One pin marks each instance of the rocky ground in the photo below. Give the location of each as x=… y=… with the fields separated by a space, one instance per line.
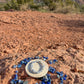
x=58 y=36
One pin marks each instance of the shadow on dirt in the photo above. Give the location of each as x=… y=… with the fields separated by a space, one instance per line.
x=74 y=25
x=3 y=66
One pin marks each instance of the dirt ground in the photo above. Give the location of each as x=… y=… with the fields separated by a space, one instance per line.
x=30 y=33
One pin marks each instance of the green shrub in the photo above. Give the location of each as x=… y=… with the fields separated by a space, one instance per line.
x=82 y=8
x=11 y=5
x=24 y=7
x=2 y=6
x=47 y=2
x=34 y=6
x=52 y=6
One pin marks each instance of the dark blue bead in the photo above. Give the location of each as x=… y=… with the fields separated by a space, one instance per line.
x=16 y=71
x=50 y=61
x=65 y=75
x=61 y=81
x=48 y=82
x=36 y=57
x=24 y=59
x=16 y=77
x=28 y=61
x=29 y=58
x=43 y=82
x=25 y=63
x=14 y=66
x=61 y=74
x=46 y=57
x=58 y=72
x=48 y=75
x=64 y=78
x=22 y=62
x=19 y=66
x=55 y=61
x=15 y=82
x=51 y=69
x=61 y=78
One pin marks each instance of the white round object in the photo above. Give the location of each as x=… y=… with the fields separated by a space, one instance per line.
x=36 y=68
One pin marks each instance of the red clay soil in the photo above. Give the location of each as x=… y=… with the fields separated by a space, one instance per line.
x=27 y=34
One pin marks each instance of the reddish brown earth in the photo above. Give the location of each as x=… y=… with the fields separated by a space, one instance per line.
x=58 y=36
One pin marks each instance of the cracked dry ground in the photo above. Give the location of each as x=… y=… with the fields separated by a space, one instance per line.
x=58 y=36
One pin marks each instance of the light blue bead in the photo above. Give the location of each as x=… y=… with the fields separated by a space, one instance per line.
x=16 y=77
x=12 y=81
x=14 y=66
x=22 y=62
x=36 y=83
x=19 y=66
x=58 y=76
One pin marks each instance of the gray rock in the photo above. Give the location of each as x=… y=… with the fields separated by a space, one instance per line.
x=25 y=82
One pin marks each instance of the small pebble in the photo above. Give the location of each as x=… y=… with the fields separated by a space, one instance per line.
x=25 y=82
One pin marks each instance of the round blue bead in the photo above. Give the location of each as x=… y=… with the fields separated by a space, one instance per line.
x=16 y=77
x=46 y=57
x=54 y=60
x=64 y=78
x=12 y=81
x=65 y=75
x=50 y=62
x=14 y=66
x=61 y=74
x=16 y=71
x=48 y=75
x=36 y=83
x=43 y=82
x=58 y=72
x=61 y=78
x=22 y=62
x=58 y=76
x=19 y=66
